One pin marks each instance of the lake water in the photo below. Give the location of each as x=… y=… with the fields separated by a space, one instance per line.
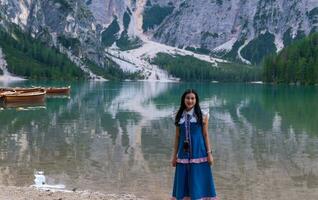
x=117 y=137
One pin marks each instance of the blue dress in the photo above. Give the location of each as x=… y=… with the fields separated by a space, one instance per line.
x=193 y=176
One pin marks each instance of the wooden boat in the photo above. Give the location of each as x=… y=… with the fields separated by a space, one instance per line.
x=16 y=97
x=58 y=90
x=4 y=90
x=22 y=90
x=31 y=89
x=3 y=93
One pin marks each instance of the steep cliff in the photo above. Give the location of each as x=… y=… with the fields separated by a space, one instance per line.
x=240 y=29
x=57 y=21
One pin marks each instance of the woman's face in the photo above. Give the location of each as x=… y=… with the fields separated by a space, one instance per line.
x=189 y=100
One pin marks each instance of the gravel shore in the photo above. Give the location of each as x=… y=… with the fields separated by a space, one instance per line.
x=30 y=193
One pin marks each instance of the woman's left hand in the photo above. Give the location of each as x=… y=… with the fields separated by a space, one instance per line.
x=210 y=159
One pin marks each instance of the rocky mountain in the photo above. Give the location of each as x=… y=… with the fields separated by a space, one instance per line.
x=129 y=33
x=66 y=25
x=235 y=29
x=240 y=29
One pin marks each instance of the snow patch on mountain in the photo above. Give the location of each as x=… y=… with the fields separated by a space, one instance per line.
x=140 y=59
x=133 y=61
x=279 y=43
x=227 y=46
x=7 y=76
x=239 y=52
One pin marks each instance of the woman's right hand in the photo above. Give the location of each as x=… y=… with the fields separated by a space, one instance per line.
x=210 y=159
x=174 y=161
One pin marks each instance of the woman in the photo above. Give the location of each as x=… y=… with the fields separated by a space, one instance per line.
x=192 y=155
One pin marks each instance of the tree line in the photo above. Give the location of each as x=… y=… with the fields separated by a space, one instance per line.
x=189 y=68
x=295 y=64
x=31 y=58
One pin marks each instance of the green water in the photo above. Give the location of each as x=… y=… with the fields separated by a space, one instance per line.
x=118 y=138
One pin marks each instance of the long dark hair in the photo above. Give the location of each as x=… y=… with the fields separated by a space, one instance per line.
x=197 y=109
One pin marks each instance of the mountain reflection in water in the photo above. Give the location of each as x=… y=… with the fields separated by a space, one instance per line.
x=118 y=137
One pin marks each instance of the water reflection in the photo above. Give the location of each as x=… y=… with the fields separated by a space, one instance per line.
x=117 y=137
x=23 y=105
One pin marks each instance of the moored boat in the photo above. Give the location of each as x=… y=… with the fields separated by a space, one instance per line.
x=5 y=92
x=16 y=97
x=31 y=89
x=58 y=90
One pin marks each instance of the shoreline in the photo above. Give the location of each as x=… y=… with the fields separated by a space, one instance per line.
x=23 y=193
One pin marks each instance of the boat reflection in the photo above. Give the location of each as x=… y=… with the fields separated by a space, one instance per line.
x=23 y=105
x=58 y=96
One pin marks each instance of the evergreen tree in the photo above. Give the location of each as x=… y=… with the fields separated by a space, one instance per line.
x=297 y=63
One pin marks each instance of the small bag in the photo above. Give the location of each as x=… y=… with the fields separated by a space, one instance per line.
x=186 y=145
